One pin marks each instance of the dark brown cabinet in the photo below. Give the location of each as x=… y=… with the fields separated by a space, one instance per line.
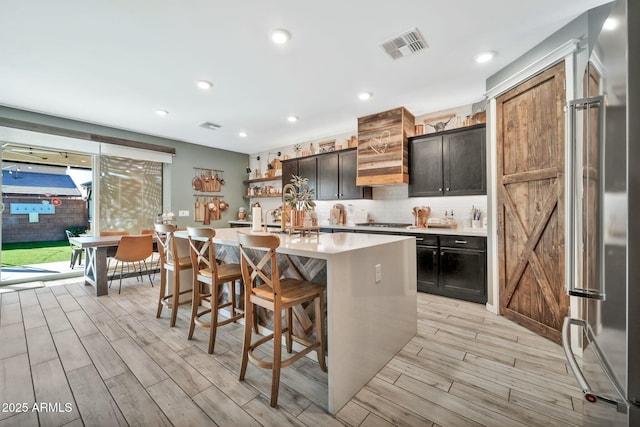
x=451 y=163
x=427 y=262
x=453 y=266
x=304 y=167
x=337 y=177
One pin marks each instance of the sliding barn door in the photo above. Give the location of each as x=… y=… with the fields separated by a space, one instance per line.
x=530 y=174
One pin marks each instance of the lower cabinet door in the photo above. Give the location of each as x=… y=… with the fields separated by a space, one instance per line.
x=462 y=274
x=427 y=264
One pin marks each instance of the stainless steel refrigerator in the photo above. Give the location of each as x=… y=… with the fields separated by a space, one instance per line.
x=602 y=196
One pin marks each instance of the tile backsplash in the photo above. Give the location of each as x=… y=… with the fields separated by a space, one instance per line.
x=393 y=204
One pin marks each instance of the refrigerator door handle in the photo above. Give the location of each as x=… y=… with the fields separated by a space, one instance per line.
x=621 y=404
x=573 y=193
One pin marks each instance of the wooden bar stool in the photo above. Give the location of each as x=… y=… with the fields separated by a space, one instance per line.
x=207 y=271
x=277 y=295
x=170 y=261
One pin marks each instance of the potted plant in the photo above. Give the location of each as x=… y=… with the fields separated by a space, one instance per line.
x=298 y=198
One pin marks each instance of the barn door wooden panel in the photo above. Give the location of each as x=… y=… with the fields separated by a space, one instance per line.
x=530 y=175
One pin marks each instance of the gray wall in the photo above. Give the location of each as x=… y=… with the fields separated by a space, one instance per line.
x=181 y=171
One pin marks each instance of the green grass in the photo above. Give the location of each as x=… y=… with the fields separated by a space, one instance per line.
x=14 y=254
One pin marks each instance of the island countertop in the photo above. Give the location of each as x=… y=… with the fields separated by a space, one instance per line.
x=322 y=245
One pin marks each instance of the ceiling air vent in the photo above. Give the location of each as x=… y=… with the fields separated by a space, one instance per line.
x=404 y=44
x=209 y=125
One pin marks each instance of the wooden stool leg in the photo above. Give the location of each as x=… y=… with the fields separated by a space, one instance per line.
x=176 y=296
x=254 y=310
x=195 y=302
x=319 y=303
x=163 y=290
x=249 y=318
x=277 y=354
x=289 y=318
x=213 y=324
x=232 y=296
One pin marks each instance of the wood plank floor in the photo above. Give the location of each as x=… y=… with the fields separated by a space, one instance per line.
x=111 y=362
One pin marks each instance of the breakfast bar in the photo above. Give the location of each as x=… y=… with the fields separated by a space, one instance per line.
x=371 y=298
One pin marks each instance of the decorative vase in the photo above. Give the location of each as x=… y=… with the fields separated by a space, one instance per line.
x=297 y=218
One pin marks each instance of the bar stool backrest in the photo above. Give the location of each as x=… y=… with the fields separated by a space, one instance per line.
x=266 y=269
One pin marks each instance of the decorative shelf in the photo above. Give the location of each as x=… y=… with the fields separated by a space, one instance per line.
x=251 y=181
x=271 y=196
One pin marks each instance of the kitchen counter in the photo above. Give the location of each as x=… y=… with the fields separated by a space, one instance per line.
x=371 y=297
x=480 y=232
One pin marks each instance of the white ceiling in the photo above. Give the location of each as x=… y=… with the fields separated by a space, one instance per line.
x=115 y=62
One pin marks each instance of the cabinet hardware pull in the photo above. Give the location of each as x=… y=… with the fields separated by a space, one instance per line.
x=462 y=242
x=439 y=189
x=447 y=189
x=420 y=240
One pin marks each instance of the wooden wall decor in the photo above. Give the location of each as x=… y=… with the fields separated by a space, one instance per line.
x=383 y=152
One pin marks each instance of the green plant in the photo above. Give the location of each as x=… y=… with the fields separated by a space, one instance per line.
x=76 y=230
x=298 y=195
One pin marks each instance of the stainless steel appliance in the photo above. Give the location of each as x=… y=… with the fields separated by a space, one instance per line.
x=602 y=199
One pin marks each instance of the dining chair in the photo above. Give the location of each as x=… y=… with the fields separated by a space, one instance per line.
x=76 y=251
x=111 y=251
x=264 y=288
x=206 y=271
x=132 y=249
x=170 y=260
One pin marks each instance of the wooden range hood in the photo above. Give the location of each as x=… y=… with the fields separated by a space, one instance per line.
x=383 y=152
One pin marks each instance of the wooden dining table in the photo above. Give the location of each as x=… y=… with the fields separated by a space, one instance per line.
x=95 y=268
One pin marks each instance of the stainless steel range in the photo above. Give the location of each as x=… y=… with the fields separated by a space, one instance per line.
x=383 y=224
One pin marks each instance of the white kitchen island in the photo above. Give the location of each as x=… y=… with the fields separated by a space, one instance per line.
x=368 y=320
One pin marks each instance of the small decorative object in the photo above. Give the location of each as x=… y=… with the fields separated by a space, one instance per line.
x=327 y=146
x=439 y=127
x=312 y=149
x=297 y=148
x=419 y=129
x=353 y=141
x=242 y=213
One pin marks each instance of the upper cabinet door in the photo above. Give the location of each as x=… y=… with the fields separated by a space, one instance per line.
x=464 y=164
x=328 y=188
x=348 y=174
x=289 y=168
x=425 y=174
x=307 y=169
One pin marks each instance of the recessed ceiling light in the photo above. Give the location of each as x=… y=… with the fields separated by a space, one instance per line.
x=292 y=119
x=483 y=57
x=204 y=84
x=242 y=134
x=280 y=36
x=610 y=24
x=162 y=112
x=365 y=96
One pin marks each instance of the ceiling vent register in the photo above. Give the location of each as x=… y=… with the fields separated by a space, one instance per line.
x=210 y=126
x=404 y=44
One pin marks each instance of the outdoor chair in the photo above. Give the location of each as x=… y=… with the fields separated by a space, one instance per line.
x=76 y=251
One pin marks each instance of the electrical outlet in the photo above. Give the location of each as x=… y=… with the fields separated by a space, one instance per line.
x=378 y=273
x=183 y=213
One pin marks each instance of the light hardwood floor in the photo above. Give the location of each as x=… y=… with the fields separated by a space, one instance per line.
x=116 y=364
